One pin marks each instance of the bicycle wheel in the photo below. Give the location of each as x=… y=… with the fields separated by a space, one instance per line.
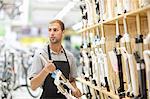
x=35 y=93
x=8 y=82
x=9 y=77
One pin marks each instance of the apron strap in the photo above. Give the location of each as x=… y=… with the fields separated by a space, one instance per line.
x=49 y=54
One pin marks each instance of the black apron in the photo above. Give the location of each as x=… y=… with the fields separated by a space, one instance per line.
x=49 y=88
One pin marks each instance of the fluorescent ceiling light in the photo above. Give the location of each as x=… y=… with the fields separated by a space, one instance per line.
x=65 y=10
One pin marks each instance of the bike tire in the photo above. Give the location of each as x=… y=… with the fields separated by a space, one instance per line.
x=37 y=92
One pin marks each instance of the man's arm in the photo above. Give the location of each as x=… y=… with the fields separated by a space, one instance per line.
x=38 y=79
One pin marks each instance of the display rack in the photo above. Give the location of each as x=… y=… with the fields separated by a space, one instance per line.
x=99 y=89
x=110 y=23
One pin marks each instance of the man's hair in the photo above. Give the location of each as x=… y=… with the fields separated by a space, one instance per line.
x=59 y=22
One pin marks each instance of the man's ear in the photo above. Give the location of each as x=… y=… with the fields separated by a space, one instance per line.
x=63 y=32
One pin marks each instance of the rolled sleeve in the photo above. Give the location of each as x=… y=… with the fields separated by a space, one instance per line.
x=36 y=66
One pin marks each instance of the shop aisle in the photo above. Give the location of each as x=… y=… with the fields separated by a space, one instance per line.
x=22 y=93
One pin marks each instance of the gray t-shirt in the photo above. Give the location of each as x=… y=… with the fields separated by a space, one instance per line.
x=38 y=63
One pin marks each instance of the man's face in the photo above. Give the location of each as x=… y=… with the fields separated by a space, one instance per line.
x=55 y=33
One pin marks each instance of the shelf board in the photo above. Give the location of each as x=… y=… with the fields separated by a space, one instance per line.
x=104 y=91
x=133 y=13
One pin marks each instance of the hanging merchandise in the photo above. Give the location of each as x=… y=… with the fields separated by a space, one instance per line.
x=90 y=54
x=143 y=3
x=147 y=38
x=124 y=6
x=88 y=43
x=90 y=18
x=107 y=10
x=90 y=68
x=140 y=61
x=119 y=60
x=83 y=54
x=94 y=62
x=121 y=90
x=146 y=54
x=110 y=9
x=94 y=13
x=127 y=5
x=119 y=7
x=98 y=19
x=128 y=58
x=101 y=51
x=97 y=10
x=104 y=64
x=85 y=88
x=88 y=72
x=101 y=10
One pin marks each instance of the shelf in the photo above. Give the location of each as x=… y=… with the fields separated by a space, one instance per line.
x=107 y=29
x=104 y=91
x=112 y=20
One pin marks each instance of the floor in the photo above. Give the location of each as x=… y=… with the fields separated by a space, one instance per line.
x=22 y=93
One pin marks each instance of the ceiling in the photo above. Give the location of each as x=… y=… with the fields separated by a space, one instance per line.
x=43 y=11
x=40 y=12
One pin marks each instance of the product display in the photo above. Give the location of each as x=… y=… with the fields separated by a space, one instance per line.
x=126 y=60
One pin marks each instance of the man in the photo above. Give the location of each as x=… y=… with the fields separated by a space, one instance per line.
x=59 y=58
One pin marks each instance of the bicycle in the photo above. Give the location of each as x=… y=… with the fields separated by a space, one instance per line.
x=11 y=60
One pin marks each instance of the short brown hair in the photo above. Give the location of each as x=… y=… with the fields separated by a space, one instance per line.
x=59 y=22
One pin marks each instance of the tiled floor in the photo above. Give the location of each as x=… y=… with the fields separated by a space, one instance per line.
x=22 y=93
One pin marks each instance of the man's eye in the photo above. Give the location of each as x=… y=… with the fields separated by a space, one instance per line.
x=49 y=29
x=55 y=30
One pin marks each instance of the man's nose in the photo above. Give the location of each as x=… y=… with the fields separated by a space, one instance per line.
x=52 y=33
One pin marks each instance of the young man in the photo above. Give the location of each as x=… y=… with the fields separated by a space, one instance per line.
x=59 y=58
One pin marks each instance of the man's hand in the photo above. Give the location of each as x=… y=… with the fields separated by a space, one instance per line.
x=77 y=93
x=49 y=67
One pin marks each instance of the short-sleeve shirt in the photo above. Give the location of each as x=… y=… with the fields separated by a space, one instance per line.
x=38 y=63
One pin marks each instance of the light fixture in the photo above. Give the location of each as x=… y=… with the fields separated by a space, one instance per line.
x=66 y=9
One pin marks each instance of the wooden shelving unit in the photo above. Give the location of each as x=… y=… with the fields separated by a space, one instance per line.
x=104 y=91
x=112 y=21
x=129 y=16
